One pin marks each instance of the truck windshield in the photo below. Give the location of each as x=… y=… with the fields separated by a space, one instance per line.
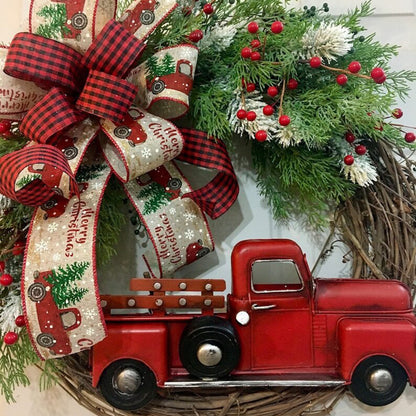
x=275 y=276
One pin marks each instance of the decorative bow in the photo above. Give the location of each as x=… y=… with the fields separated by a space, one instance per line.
x=138 y=146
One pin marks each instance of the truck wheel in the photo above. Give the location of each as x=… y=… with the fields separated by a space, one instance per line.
x=45 y=340
x=209 y=347
x=378 y=381
x=36 y=292
x=158 y=86
x=128 y=384
x=79 y=21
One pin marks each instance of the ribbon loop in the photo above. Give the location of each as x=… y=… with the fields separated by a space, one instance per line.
x=44 y=61
x=217 y=196
x=106 y=96
x=34 y=174
x=114 y=51
x=53 y=114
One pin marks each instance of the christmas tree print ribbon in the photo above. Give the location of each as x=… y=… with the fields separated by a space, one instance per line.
x=90 y=101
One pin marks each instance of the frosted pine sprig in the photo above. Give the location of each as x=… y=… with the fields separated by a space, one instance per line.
x=11 y=309
x=327 y=41
x=253 y=102
x=361 y=172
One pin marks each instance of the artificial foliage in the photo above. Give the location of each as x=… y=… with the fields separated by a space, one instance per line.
x=307 y=159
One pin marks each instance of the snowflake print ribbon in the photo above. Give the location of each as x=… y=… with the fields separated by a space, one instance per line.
x=91 y=124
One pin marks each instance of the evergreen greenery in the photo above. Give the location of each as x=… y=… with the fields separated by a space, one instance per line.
x=56 y=18
x=155 y=196
x=65 y=291
x=27 y=179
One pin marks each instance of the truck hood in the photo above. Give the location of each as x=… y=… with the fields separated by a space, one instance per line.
x=357 y=295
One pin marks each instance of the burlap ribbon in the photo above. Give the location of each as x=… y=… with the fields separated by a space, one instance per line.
x=88 y=97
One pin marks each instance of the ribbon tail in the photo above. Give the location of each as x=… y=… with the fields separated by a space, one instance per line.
x=217 y=196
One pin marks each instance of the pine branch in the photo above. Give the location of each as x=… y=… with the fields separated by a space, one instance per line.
x=56 y=18
x=26 y=180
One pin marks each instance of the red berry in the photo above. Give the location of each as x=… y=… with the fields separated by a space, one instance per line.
x=379 y=126
x=10 y=338
x=349 y=137
x=18 y=248
x=6 y=279
x=20 y=321
x=208 y=9
x=251 y=116
x=360 y=149
x=241 y=114
x=196 y=36
x=255 y=56
x=315 y=62
x=272 y=91
x=250 y=87
x=277 y=27
x=284 y=120
x=268 y=110
x=292 y=84
x=261 y=135
x=255 y=43
x=354 y=67
x=253 y=27
x=2 y=266
x=410 y=137
x=397 y=113
x=380 y=80
x=349 y=160
x=246 y=52
x=342 y=79
x=5 y=126
x=377 y=73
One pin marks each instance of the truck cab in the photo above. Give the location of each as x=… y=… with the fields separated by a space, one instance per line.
x=281 y=327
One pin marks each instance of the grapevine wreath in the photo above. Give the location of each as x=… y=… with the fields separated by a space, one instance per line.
x=311 y=95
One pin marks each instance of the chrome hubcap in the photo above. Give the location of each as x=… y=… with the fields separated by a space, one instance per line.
x=127 y=381
x=209 y=354
x=380 y=380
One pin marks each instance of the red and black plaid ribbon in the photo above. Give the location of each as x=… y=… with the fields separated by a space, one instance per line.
x=38 y=191
x=217 y=196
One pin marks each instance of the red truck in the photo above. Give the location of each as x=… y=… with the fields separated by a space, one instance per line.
x=282 y=327
x=54 y=323
x=77 y=19
x=162 y=176
x=142 y=14
x=130 y=129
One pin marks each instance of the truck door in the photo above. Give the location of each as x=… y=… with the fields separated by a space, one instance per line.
x=280 y=313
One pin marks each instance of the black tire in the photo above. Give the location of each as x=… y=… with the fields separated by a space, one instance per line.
x=70 y=152
x=147 y=17
x=215 y=340
x=45 y=340
x=46 y=206
x=36 y=292
x=378 y=381
x=174 y=183
x=138 y=388
x=158 y=86
x=122 y=132
x=203 y=252
x=79 y=21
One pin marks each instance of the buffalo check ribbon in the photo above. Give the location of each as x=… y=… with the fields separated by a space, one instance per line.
x=90 y=124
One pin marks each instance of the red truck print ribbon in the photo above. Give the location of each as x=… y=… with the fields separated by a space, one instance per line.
x=88 y=123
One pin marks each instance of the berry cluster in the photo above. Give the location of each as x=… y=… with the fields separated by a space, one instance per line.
x=359 y=149
x=6 y=280
x=377 y=74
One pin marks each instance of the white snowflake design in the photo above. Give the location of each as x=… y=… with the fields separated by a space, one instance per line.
x=172 y=211
x=41 y=247
x=146 y=152
x=90 y=332
x=52 y=227
x=90 y=314
x=189 y=234
x=189 y=216
x=56 y=257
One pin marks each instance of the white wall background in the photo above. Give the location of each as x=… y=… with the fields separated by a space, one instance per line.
x=394 y=22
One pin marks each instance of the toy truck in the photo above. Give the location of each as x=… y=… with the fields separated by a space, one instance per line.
x=281 y=327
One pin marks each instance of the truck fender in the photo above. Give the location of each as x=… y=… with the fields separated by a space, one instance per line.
x=360 y=338
x=146 y=342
